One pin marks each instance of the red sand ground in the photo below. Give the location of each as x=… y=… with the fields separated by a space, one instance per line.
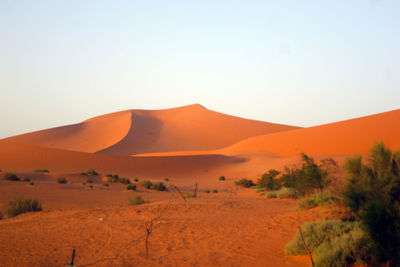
x=188 y=145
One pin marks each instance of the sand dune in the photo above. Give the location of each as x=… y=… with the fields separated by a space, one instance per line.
x=345 y=137
x=147 y=131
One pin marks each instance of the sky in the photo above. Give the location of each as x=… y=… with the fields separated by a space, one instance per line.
x=300 y=63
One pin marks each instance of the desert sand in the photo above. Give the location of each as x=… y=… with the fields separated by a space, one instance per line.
x=188 y=145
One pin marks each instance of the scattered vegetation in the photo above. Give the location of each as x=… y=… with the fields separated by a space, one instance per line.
x=131 y=187
x=89 y=180
x=284 y=192
x=62 y=180
x=137 y=200
x=8 y=176
x=324 y=198
x=160 y=186
x=124 y=180
x=90 y=172
x=207 y=191
x=146 y=184
x=31 y=183
x=215 y=191
x=41 y=170
x=137 y=179
x=189 y=195
x=244 y=182
x=222 y=178
x=333 y=242
x=91 y=186
x=22 y=205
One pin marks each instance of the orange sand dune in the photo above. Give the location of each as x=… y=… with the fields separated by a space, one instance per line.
x=145 y=131
x=345 y=137
x=21 y=157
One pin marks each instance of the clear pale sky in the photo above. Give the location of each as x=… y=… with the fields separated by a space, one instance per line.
x=295 y=62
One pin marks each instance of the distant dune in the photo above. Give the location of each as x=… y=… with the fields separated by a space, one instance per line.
x=190 y=141
x=132 y=132
x=345 y=137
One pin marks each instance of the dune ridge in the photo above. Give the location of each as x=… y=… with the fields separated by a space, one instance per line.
x=132 y=132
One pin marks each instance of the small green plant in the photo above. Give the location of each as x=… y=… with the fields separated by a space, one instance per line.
x=284 y=192
x=62 y=180
x=41 y=170
x=22 y=205
x=31 y=183
x=136 y=179
x=112 y=178
x=124 y=180
x=244 y=183
x=131 y=187
x=160 y=186
x=222 y=178
x=215 y=191
x=91 y=186
x=207 y=191
x=189 y=195
x=146 y=184
x=137 y=200
x=90 y=172
x=8 y=176
x=333 y=242
x=324 y=198
x=89 y=180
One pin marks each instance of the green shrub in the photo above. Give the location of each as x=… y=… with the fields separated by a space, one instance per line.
x=62 y=180
x=215 y=191
x=136 y=179
x=137 y=200
x=31 y=183
x=22 y=205
x=189 y=195
x=41 y=170
x=222 y=178
x=268 y=180
x=124 y=180
x=245 y=183
x=207 y=191
x=89 y=180
x=131 y=187
x=284 y=192
x=91 y=186
x=333 y=242
x=372 y=194
x=146 y=184
x=271 y=194
x=160 y=186
x=10 y=177
x=90 y=172
x=324 y=198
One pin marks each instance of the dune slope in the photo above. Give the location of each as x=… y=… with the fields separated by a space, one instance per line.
x=150 y=131
x=344 y=137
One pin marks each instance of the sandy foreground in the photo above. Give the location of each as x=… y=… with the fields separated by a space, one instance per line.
x=235 y=227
